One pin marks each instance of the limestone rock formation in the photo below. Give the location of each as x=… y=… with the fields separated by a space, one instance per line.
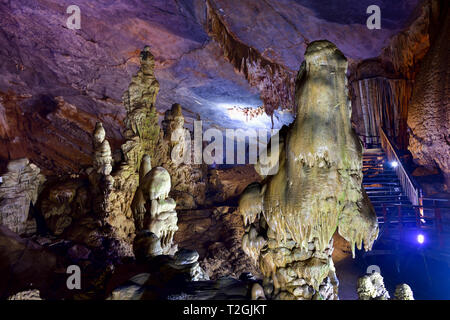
x=275 y=82
x=19 y=188
x=216 y=234
x=146 y=245
x=227 y=184
x=26 y=295
x=371 y=287
x=163 y=273
x=316 y=191
x=90 y=73
x=429 y=109
x=152 y=209
x=63 y=202
x=102 y=151
x=403 y=292
x=115 y=189
x=175 y=154
x=24 y=262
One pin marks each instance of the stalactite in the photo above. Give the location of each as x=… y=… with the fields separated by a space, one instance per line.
x=274 y=81
x=381 y=102
x=409 y=47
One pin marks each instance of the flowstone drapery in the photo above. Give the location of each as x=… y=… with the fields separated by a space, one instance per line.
x=316 y=191
x=152 y=208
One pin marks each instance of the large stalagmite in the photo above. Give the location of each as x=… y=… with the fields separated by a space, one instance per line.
x=317 y=189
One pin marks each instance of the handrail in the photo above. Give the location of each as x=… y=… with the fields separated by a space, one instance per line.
x=413 y=193
x=366 y=140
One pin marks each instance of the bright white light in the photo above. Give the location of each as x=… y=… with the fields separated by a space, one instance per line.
x=420 y=238
x=394 y=164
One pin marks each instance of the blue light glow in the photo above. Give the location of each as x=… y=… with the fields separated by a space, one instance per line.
x=421 y=238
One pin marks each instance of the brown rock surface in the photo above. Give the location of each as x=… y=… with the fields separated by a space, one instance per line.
x=24 y=264
x=229 y=183
x=19 y=189
x=217 y=237
x=429 y=110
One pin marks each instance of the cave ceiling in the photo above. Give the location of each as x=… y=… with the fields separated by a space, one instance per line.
x=41 y=60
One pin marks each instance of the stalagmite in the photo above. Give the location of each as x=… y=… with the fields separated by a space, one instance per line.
x=317 y=189
x=403 y=292
x=152 y=209
x=371 y=287
x=102 y=151
x=142 y=132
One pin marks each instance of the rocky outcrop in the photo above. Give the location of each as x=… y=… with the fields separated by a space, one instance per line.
x=174 y=153
x=28 y=266
x=217 y=236
x=290 y=219
x=371 y=287
x=227 y=184
x=382 y=87
x=403 y=292
x=19 y=188
x=63 y=202
x=26 y=295
x=429 y=109
x=407 y=48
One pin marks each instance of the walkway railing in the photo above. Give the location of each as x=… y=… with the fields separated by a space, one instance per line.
x=413 y=193
x=428 y=217
x=369 y=141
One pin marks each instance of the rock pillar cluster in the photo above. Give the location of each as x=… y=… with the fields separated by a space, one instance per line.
x=116 y=189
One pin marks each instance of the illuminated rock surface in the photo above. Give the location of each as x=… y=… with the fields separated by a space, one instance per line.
x=316 y=191
x=57 y=83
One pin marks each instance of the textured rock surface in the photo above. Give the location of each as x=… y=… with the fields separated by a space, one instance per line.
x=217 y=236
x=174 y=152
x=26 y=265
x=291 y=219
x=20 y=188
x=371 y=287
x=26 y=295
x=403 y=292
x=62 y=202
x=57 y=83
x=429 y=110
x=381 y=102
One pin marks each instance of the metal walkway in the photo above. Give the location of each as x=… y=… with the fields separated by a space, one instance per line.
x=424 y=225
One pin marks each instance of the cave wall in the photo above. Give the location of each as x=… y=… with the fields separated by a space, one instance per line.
x=381 y=102
x=429 y=108
x=404 y=89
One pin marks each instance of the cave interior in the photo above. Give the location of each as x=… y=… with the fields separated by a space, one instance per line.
x=224 y=149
